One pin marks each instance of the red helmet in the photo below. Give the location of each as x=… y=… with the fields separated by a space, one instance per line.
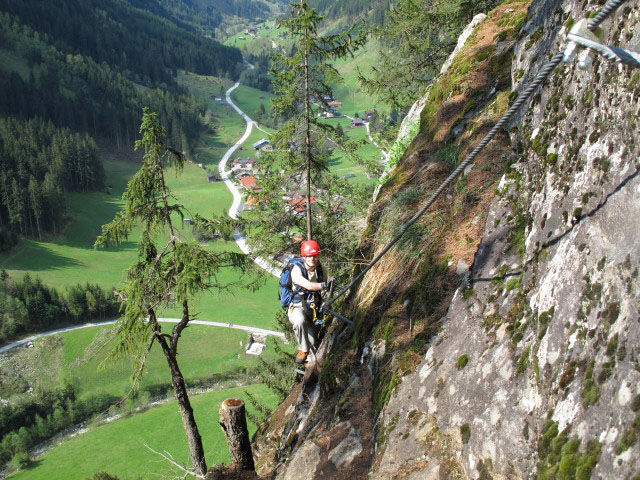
x=309 y=248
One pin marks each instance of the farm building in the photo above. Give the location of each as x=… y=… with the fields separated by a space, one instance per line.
x=261 y=143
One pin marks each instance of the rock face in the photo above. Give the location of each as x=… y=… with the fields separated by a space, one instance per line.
x=532 y=367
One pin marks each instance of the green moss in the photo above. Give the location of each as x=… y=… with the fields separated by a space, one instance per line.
x=602 y=263
x=552 y=158
x=484 y=53
x=629 y=436
x=569 y=23
x=468 y=292
x=462 y=361
x=513 y=284
x=465 y=433
x=543 y=321
x=470 y=105
x=537 y=35
x=611 y=312
x=502 y=36
x=601 y=163
x=577 y=213
x=569 y=102
x=386 y=329
x=383 y=387
x=606 y=371
x=560 y=457
x=523 y=361
x=384 y=433
x=590 y=390
x=612 y=346
x=635 y=403
x=634 y=81
x=539 y=147
x=587 y=97
x=518 y=74
x=568 y=374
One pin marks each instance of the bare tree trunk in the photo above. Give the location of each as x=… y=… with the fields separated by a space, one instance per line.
x=234 y=425
x=194 y=440
x=307 y=113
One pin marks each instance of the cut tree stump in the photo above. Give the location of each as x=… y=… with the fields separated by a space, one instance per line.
x=234 y=425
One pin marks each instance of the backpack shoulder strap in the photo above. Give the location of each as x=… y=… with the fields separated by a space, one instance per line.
x=299 y=263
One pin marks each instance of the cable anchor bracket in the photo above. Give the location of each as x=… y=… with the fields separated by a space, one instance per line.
x=581 y=37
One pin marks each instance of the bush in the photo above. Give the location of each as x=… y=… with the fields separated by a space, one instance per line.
x=20 y=460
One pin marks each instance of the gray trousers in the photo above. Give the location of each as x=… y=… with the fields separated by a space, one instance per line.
x=303 y=328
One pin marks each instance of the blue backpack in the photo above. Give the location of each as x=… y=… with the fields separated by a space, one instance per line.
x=285 y=293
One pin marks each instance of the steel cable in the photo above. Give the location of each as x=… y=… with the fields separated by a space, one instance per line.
x=604 y=13
x=542 y=75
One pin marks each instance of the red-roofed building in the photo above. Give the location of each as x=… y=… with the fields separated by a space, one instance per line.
x=299 y=205
x=250 y=183
x=334 y=104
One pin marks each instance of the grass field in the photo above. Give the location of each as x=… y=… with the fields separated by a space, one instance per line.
x=203 y=351
x=118 y=447
x=248 y=99
x=71 y=259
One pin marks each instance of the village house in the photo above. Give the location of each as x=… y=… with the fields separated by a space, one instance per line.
x=329 y=113
x=357 y=122
x=212 y=177
x=368 y=114
x=243 y=164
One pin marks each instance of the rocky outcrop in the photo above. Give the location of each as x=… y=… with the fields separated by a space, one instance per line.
x=526 y=364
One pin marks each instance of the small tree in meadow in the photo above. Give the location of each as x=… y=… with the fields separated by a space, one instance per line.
x=169 y=271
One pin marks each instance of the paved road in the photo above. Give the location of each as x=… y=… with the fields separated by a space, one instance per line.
x=239 y=239
x=260 y=331
x=237 y=197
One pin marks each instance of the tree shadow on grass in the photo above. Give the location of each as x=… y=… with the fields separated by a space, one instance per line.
x=40 y=258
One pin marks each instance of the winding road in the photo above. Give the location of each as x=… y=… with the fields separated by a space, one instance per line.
x=238 y=238
x=237 y=197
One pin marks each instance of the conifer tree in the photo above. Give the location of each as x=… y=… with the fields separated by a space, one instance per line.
x=166 y=274
x=302 y=84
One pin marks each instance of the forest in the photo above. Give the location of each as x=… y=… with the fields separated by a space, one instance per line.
x=39 y=164
x=125 y=37
x=81 y=74
x=28 y=305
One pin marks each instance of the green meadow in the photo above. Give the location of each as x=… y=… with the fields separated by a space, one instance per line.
x=119 y=447
x=204 y=351
x=70 y=258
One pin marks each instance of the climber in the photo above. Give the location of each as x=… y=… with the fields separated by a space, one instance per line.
x=304 y=306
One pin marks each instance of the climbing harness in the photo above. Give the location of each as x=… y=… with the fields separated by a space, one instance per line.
x=580 y=36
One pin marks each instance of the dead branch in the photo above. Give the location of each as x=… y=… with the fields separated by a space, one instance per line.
x=168 y=458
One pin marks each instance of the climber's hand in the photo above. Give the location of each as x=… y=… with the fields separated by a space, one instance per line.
x=326 y=285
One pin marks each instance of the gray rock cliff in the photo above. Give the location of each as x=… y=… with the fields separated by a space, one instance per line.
x=527 y=364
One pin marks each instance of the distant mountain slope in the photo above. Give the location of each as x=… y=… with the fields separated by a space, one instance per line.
x=212 y=18
x=371 y=11
x=126 y=37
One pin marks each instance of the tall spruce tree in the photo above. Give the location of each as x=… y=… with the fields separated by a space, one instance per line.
x=167 y=274
x=302 y=85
